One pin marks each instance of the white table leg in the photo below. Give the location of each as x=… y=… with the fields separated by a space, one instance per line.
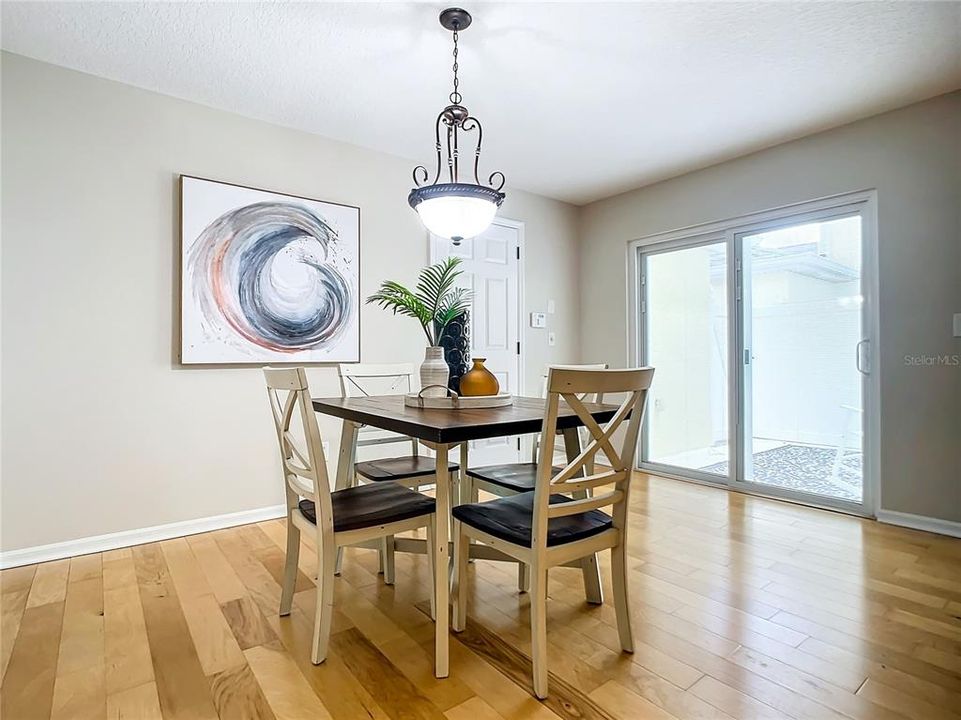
x=592 y=572
x=474 y=492
x=466 y=492
x=463 y=482
x=441 y=555
x=345 y=455
x=345 y=470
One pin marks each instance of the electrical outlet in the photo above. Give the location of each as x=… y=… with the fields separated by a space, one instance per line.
x=551 y=339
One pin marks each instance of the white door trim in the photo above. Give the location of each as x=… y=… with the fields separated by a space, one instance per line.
x=866 y=203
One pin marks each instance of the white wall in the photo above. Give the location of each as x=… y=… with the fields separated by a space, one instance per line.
x=912 y=156
x=103 y=431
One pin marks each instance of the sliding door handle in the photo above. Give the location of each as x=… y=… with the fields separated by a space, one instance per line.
x=857 y=357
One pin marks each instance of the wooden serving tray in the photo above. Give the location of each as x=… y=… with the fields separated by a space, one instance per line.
x=453 y=401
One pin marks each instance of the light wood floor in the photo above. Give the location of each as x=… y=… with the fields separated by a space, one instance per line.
x=743 y=608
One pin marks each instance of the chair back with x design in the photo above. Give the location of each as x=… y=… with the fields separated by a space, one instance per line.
x=587 y=397
x=301 y=449
x=374 y=379
x=605 y=487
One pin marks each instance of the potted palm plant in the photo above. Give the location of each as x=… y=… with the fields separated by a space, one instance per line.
x=434 y=303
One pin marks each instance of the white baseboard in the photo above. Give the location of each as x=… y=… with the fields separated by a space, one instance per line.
x=921 y=522
x=126 y=538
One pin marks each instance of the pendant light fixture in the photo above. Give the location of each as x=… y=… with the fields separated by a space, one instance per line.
x=451 y=208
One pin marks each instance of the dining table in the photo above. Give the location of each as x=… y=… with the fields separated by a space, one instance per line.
x=444 y=429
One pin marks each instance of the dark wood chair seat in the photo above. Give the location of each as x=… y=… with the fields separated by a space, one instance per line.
x=510 y=519
x=398 y=468
x=515 y=477
x=366 y=506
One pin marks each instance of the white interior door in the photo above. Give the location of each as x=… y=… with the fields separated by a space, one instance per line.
x=491 y=263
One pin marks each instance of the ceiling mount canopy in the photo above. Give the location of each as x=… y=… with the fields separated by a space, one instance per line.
x=449 y=207
x=455 y=19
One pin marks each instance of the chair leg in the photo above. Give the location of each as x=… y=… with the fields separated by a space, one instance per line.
x=326 y=560
x=432 y=564
x=339 y=561
x=593 y=589
x=290 y=567
x=539 y=629
x=387 y=559
x=461 y=556
x=523 y=577
x=622 y=605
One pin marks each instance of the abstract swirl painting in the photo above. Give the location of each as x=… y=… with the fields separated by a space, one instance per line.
x=267 y=277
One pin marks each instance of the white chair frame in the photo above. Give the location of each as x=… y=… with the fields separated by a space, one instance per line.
x=351 y=385
x=570 y=386
x=305 y=476
x=403 y=380
x=589 y=397
x=475 y=484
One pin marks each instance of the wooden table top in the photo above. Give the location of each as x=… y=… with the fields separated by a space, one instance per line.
x=388 y=412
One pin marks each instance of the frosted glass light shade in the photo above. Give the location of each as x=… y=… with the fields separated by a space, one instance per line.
x=456 y=210
x=460 y=217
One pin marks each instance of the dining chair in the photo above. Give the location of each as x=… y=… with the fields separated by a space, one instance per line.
x=413 y=470
x=587 y=397
x=512 y=478
x=335 y=519
x=508 y=479
x=547 y=527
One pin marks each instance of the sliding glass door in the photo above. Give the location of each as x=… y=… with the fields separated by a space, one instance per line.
x=686 y=336
x=759 y=331
x=801 y=321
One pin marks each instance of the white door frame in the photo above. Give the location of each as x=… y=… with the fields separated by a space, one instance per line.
x=864 y=203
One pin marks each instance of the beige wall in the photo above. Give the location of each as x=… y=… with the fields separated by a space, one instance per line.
x=912 y=156
x=102 y=430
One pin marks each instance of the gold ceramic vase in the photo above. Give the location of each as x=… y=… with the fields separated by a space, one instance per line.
x=479 y=380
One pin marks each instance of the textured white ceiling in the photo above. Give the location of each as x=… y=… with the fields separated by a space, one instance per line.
x=578 y=100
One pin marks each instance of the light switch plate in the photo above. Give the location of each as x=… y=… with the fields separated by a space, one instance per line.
x=538 y=320
x=957 y=324
x=550 y=307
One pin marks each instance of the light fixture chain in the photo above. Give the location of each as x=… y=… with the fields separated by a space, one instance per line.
x=455 y=96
